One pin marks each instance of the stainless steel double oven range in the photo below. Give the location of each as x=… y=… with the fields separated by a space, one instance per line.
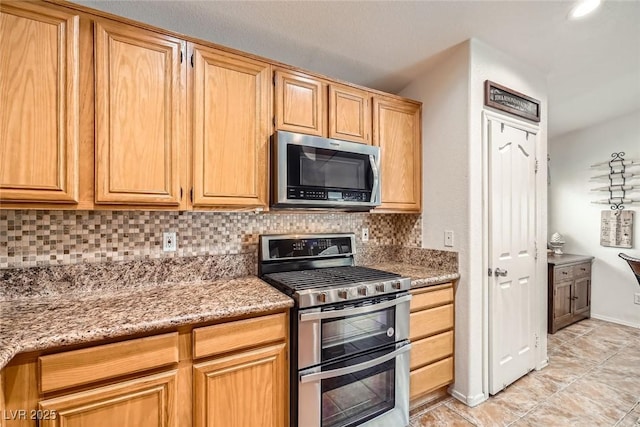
x=349 y=332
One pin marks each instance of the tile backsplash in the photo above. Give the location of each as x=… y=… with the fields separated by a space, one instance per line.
x=30 y=238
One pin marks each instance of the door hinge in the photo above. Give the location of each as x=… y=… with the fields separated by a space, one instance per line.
x=192 y=60
x=535 y=250
x=537 y=340
x=536 y=166
x=490 y=272
x=274 y=121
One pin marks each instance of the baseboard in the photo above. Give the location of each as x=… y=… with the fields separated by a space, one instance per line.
x=542 y=364
x=468 y=400
x=618 y=321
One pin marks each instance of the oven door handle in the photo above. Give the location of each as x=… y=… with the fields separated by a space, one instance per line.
x=352 y=311
x=376 y=178
x=355 y=368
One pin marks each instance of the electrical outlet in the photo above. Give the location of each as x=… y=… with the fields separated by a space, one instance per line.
x=448 y=238
x=636 y=299
x=169 y=241
x=365 y=234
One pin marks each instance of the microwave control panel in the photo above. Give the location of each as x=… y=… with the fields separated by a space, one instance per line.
x=301 y=193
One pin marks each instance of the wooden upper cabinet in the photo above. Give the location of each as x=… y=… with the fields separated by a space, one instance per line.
x=230 y=97
x=396 y=130
x=39 y=119
x=300 y=103
x=139 y=100
x=349 y=114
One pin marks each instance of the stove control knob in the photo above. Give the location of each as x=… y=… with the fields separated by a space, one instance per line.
x=342 y=294
x=321 y=297
x=380 y=287
x=362 y=290
x=396 y=284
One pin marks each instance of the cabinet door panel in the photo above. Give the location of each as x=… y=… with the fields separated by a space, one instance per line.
x=396 y=130
x=245 y=389
x=230 y=129
x=150 y=401
x=581 y=297
x=138 y=103
x=39 y=118
x=300 y=104
x=562 y=303
x=349 y=114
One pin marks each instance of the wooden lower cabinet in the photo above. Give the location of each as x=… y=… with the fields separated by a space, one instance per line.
x=569 y=280
x=244 y=389
x=150 y=401
x=154 y=381
x=431 y=330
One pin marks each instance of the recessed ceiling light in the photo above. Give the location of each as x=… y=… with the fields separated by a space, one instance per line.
x=583 y=8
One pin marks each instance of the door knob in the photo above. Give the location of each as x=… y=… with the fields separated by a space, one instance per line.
x=501 y=272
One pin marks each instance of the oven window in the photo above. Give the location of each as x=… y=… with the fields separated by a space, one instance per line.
x=342 y=336
x=317 y=167
x=350 y=400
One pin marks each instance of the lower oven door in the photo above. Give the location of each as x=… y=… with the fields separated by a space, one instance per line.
x=340 y=330
x=370 y=390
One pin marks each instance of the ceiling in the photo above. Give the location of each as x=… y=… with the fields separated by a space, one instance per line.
x=592 y=65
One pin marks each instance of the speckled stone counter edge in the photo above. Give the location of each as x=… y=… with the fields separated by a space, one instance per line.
x=103 y=316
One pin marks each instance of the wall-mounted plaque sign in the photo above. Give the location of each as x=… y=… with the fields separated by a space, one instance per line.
x=616 y=229
x=510 y=101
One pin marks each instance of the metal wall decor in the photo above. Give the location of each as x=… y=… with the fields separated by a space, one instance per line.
x=616 y=224
x=510 y=101
x=621 y=181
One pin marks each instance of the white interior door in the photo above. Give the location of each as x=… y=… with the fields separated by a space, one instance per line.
x=512 y=258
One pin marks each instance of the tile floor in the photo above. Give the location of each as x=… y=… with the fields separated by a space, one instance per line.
x=593 y=379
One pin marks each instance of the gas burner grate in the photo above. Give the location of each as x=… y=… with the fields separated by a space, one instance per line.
x=329 y=277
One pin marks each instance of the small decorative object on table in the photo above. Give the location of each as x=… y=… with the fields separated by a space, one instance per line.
x=556 y=243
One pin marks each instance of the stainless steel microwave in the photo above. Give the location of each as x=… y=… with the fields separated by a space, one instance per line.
x=313 y=172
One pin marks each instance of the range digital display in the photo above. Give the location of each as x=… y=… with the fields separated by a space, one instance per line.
x=295 y=248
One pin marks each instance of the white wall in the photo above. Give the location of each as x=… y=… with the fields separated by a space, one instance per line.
x=572 y=214
x=444 y=92
x=452 y=93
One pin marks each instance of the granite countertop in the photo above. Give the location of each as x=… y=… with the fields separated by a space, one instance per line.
x=567 y=259
x=31 y=324
x=52 y=318
x=420 y=276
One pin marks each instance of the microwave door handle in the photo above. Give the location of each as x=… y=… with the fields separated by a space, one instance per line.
x=355 y=368
x=352 y=311
x=376 y=178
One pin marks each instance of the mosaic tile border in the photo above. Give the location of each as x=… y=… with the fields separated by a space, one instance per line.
x=32 y=238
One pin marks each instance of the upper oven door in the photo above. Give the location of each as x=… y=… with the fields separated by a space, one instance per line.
x=336 y=331
x=320 y=172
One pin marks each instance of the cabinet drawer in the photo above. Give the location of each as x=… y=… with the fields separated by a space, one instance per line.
x=582 y=270
x=428 y=322
x=431 y=377
x=562 y=273
x=216 y=339
x=73 y=368
x=428 y=299
x=428 y=350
